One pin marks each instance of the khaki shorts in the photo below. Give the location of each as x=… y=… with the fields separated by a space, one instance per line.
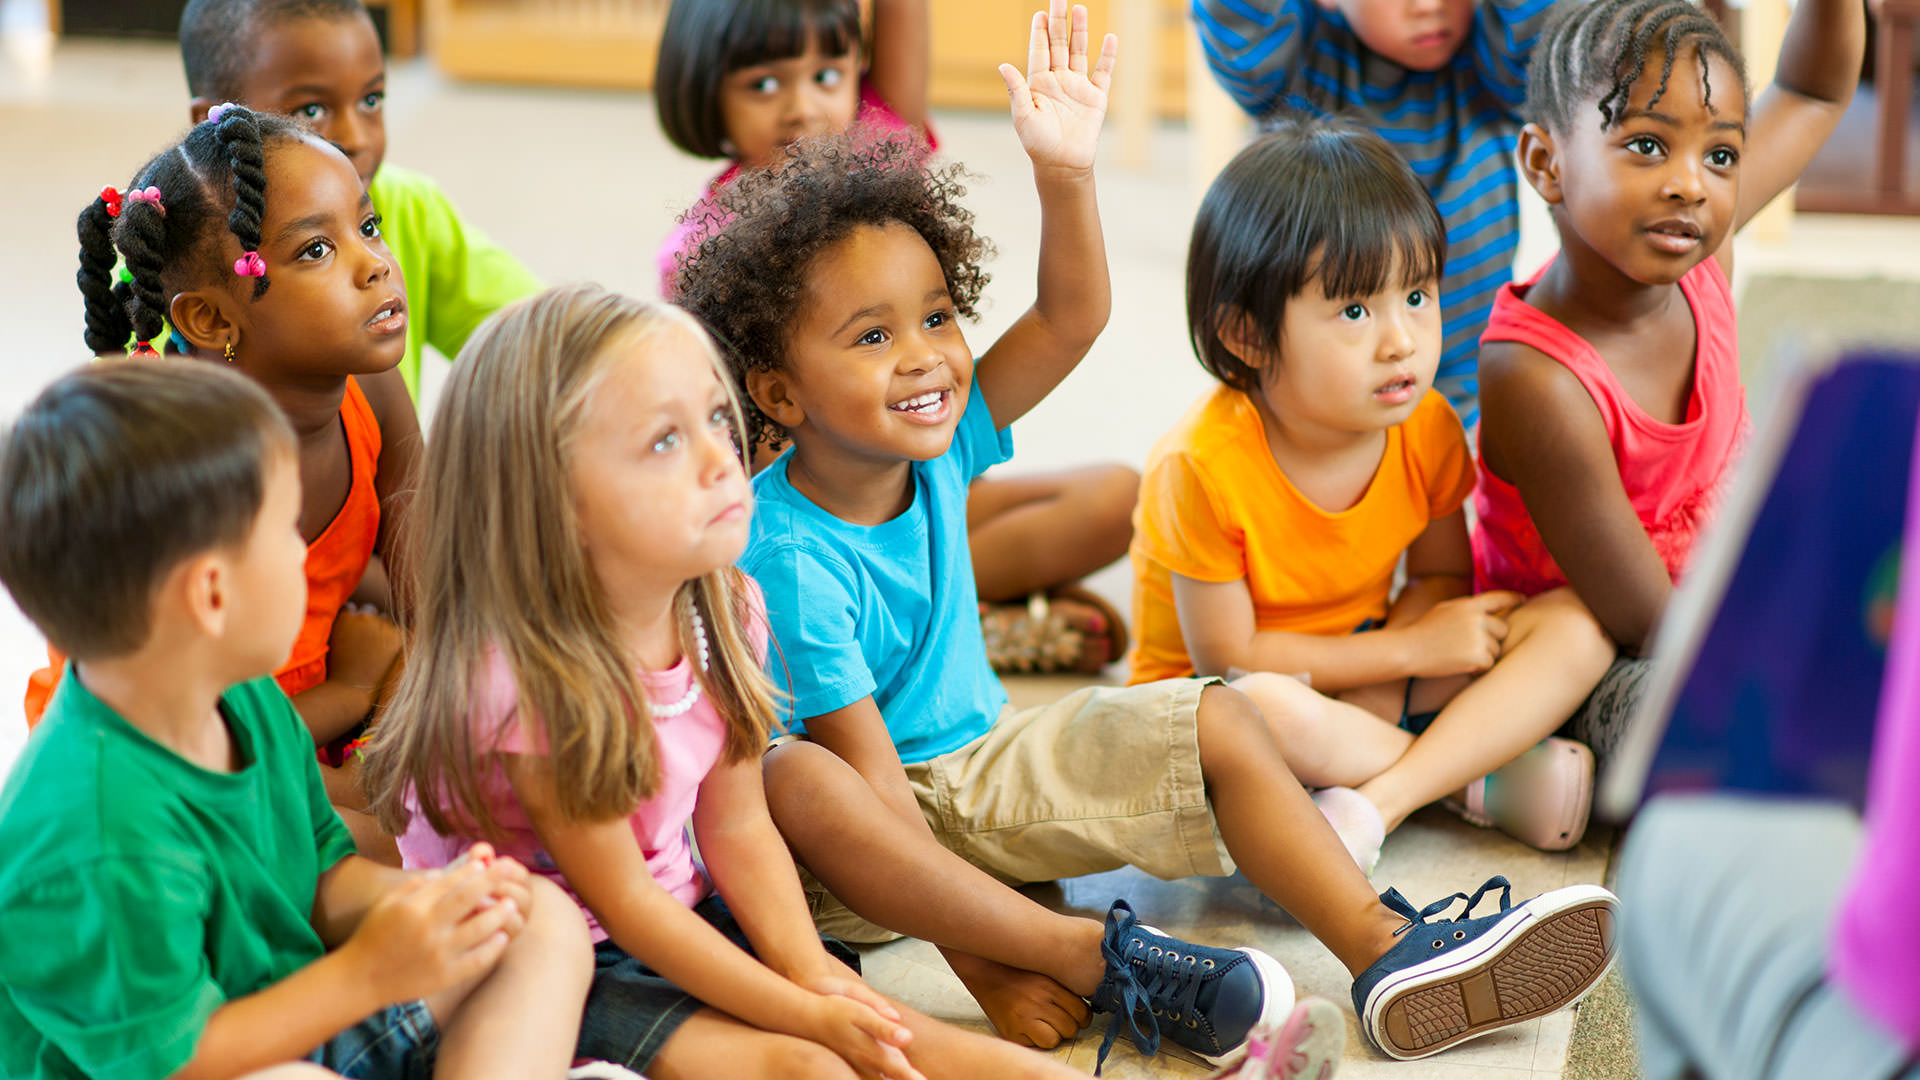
x=1103 y=778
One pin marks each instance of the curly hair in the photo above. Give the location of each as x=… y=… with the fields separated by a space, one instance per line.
x=745 y=276
x=1600 y=48
x=215 y=176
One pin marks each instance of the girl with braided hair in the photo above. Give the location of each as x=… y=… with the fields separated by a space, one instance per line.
x=256 y=241
x=1611 y=402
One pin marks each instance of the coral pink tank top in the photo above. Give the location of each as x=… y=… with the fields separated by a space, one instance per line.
x=1673 y=473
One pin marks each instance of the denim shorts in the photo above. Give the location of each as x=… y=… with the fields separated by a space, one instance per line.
x=396 y=1043
x=631 y=1011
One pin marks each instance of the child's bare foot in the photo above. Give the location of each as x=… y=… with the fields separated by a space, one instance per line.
x=1023 y=1006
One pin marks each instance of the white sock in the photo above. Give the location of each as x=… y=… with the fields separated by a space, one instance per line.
x=1356 y=821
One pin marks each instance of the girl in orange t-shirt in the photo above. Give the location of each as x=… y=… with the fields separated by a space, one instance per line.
x=258 y=243
x=1273 y=518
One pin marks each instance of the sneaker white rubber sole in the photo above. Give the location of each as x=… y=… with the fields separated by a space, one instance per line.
x=1546 y=955
x=1273 y=1010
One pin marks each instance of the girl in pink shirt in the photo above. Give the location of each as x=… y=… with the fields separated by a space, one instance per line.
x=739 y=80
x=1611 y=406
x=585 y=686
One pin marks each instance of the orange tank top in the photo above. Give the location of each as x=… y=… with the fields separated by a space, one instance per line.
x=336 y=559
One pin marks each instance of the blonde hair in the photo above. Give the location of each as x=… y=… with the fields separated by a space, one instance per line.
x=499 y=563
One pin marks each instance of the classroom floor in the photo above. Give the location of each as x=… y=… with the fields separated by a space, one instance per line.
x=582 y=186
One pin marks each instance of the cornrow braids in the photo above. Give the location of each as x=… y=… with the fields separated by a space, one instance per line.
x=1600 y=48
x=215 y=175
x=746 y=276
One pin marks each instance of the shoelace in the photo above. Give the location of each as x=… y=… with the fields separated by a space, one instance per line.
x=1400 y=906
x=1168 y=977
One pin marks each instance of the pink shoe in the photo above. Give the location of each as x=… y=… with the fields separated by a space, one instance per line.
x=1540 y=798
x=1306 y=1046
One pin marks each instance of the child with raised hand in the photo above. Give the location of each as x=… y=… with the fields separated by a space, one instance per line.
x=1274 y=515
x=1442 y=80
x=916 y=792
x=179 y=898
x=741 y=80
x=586 y=685
x=1614 y=404
x=255 y=240
x=319 y=61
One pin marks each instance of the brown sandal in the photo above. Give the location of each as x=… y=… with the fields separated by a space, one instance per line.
x=1070 y=630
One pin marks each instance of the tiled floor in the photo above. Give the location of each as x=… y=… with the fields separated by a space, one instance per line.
x=582 y=186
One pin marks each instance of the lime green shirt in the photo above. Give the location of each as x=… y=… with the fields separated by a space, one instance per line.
x=139 y=892
x=456 y=276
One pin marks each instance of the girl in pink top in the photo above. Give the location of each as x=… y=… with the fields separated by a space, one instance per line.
x=1611 y=405
x=739 y=80
x=585 y=686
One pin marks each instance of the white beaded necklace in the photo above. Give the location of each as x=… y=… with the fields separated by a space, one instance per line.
x=686 y=702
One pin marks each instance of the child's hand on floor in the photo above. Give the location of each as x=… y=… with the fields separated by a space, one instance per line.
x=362 y=649
x=862 y=1036
x=435 y=930
x=1462 y=636
x=1059 y=106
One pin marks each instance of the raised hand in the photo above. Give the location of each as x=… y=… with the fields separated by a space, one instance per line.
x=1059 y=105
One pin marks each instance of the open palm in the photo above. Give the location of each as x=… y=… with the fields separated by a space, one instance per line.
x=1059 y=105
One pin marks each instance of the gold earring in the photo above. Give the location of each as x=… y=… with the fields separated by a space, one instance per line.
x=229 y=352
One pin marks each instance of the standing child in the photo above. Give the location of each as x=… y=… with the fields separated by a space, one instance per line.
x=586 y=686
x=256 y=241
x=178 y=896
x=1442 y=80
x=743 y=79
x=319 y=61
x=841 y=283
x=1614 y=405
x=1274 y=515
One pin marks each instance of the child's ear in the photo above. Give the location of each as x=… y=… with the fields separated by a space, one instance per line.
x=198 y=109
x=1243 y=339
x=1540 y=162
x=201 y=317
x=772 y=392
x=201 y=587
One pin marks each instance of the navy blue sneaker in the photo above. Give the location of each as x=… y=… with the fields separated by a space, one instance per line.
x=1205 y=999
x=1454 y=980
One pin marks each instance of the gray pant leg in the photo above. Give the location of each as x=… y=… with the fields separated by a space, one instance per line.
x=1727 y=905
x=1603 y=718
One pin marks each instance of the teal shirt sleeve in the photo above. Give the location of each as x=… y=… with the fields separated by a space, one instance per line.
x=456 y=275
x=118 y=979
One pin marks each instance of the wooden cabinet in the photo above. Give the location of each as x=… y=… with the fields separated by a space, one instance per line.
x=971 y=38
x=609 y=43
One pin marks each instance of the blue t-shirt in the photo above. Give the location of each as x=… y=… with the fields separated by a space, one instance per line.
x=889 y=610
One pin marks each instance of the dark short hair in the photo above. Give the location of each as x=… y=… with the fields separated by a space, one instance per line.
x=216 y=37
x=746 y=276
x=1316 y=199
x=113 y=476
x=704 y=41
x=1600 y=48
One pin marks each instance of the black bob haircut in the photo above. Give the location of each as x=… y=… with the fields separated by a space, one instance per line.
x=704 y=41
x=216 y=37
x=117 y=473
x=1315 y=200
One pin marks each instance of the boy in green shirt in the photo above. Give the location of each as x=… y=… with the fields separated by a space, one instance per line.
x=178 y=897
x=320 y=61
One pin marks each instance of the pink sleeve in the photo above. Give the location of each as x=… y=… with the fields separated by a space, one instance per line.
x=877 y=114
x=1876 y=954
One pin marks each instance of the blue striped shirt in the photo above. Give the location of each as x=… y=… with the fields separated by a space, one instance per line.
x=1457 y=127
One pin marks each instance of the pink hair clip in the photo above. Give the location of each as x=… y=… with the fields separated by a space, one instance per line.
x=150 y=195
x=250 y=265
x=219 y=112
x=112 y=198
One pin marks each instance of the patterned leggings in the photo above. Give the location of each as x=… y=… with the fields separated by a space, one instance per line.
x=1604 y=717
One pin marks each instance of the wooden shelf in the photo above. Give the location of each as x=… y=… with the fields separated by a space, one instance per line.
x=972 y=38
x=607 y=43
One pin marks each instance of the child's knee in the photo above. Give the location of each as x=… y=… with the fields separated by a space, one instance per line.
x=293 y=1070
x=555 y=929
x=1114 y=489
x=1578 y=639
x=803 y=1059
x=1291 y=708
x=1230 y=726
x=800 y=770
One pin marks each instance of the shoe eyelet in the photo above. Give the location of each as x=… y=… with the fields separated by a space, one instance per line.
x=1156 y=1012
x=1194 y=1024
x=1459 y=935
x=1192 y=960
x=1439 y=944
x=1208 y=964
x=1155 y=951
